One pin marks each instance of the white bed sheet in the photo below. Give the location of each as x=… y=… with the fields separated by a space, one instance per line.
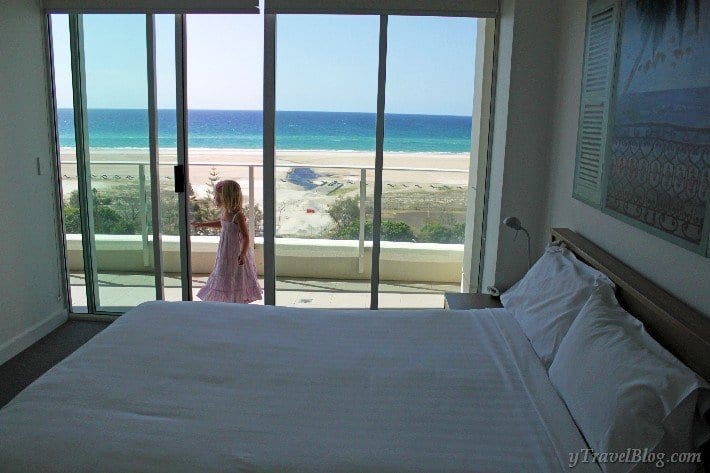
x=172 y=387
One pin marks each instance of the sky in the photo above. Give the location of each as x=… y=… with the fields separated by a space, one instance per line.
x=324 y=63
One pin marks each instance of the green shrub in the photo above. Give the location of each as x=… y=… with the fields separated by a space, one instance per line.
x=396 y=231
x=72 y=223
x=438 y=233
x=391 y=231
x=435 y=233
x=345 y=212
x=107 y=220
x=352 y=231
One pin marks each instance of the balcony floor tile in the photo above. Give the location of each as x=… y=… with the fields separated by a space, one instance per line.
x=120 y=291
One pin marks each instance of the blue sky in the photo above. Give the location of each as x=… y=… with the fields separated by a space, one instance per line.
x=325 y=63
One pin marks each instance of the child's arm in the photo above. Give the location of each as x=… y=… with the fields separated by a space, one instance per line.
x=242 y=222
x=209 y=223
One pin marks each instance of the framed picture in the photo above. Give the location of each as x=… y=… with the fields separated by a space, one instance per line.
x=657 y=170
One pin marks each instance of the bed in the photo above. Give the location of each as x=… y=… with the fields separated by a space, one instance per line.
x=216 y=387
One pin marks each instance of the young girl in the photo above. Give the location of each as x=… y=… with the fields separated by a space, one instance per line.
x=234 y=276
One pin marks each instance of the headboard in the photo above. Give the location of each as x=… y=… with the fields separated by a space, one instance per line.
x=682 y=330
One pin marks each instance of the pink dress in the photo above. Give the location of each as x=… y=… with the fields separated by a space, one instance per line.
x=230 y=281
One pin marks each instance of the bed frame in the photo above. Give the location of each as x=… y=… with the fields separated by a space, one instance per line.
x=682 y=330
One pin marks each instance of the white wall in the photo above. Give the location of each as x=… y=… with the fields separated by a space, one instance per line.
x=681 y=272
x=536 y=109
x=519 y=169
x=30 y=284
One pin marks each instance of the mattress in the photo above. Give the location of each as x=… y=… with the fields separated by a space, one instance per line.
x=211 y=387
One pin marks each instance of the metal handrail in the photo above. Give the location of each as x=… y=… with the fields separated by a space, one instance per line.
x=252 y=213
x=317 y=166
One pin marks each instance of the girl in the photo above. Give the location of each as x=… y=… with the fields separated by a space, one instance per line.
x=234 y=276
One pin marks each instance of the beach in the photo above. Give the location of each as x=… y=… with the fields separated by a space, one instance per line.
x=415 y=184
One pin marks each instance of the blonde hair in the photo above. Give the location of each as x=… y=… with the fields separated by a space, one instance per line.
x=230 y=193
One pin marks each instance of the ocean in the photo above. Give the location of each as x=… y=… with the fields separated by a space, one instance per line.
x=342 y=131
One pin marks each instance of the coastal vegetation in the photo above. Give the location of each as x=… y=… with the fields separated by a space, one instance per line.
x=345 y=213
x=408 y=215
x=118 y=210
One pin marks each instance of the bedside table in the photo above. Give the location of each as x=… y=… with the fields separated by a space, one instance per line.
x=463 y=300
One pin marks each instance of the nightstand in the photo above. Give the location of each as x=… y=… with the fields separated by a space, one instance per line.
x=463 y=301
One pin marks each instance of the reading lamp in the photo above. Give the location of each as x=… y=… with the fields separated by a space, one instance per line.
x=514 y=223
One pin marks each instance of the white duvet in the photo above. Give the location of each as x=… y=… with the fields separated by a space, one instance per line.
x=209 y=387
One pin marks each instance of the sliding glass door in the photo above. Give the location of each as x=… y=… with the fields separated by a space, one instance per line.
x=118 y=158
x=68 y=166
x=105 y=159
x=326 y=95
x=427 y=145
x=166 y=141
x=349 y=136
x=325 y=173
x=122 y=88
x=224 y=132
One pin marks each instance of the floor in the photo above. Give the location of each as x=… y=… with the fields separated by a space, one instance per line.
x=120 y=291
x=20 y=371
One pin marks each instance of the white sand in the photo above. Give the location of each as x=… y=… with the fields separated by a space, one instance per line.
x=298 y=211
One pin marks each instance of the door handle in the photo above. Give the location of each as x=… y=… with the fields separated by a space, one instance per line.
x=179 y=175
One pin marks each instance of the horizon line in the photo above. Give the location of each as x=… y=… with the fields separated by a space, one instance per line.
x=261 y=111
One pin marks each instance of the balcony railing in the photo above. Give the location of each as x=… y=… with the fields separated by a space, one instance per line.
x=295 y=257
x=448 y=256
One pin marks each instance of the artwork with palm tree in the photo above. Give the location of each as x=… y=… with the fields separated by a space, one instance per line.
x=659 y=160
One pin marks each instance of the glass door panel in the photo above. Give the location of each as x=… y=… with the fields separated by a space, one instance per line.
x=326 y=97
x=429 y=99
x=67 y=161
x=118 y=158
x=167 y=154
x=225 y=101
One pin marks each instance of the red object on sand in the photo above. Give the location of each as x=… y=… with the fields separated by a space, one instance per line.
x=310 y=211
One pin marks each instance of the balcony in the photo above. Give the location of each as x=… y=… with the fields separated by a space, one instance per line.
x=311 y=272
x=312 y=269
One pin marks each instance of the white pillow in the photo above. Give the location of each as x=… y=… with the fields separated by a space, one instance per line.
x=623 y=389
x=549 y=297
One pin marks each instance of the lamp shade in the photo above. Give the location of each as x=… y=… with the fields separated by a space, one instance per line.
x=513 y=222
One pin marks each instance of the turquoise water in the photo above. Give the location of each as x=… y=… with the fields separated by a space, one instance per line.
x=294 y=130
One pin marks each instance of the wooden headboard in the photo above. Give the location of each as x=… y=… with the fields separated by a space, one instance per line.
x=682 y=330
